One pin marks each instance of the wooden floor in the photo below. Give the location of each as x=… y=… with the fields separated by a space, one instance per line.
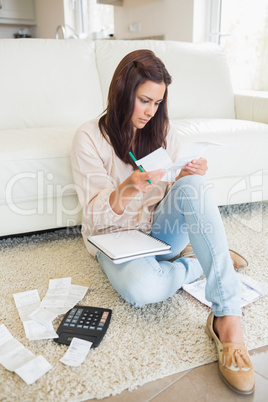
x=201 y=384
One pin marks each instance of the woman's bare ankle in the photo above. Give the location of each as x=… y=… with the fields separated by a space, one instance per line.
x=229 y=329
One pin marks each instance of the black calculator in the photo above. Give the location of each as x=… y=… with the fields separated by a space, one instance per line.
x=89 y=323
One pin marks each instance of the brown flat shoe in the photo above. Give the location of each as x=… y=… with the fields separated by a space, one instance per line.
x=188 y=252
x=234 y=364
x=239 y=262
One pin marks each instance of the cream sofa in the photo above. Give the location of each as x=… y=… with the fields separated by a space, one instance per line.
x=50 y=87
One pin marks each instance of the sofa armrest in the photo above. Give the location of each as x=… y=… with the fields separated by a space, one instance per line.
x=252 y=105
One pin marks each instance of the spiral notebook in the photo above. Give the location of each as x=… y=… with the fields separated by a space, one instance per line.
x=128 y=245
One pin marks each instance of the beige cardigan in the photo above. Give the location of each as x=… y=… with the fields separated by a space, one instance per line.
x=97 y=171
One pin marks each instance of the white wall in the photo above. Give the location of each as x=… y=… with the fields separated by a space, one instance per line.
x=172 y=18
x=49 y=15
x=183 y=20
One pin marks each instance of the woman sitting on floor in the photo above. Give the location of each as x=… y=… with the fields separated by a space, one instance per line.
x=116 y=196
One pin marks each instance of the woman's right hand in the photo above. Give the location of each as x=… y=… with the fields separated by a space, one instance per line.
x=139 y=180
x=135 y=183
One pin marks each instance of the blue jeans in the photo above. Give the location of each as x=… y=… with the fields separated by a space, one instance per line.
x=187 y=213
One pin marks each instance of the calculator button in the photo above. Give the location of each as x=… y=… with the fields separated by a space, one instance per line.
x=91 y=327
x=72 y=325
x=66 y=324
x=85 y=326
x=101 y=324
x=79 y=326
x=99 y=328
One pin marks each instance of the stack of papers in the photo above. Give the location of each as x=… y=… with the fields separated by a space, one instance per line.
x=251 y=290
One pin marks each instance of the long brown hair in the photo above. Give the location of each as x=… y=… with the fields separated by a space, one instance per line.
x=116 y=126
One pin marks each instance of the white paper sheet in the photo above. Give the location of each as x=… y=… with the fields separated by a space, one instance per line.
x=76 y=353
x=159 y=159
x=192 y=151
x=12 y=353
x=26 y=303
x=5 y=335
x=62 y=295
x=60 y=283
x=15 y=357
x=251 y=290
x=37 y=316
x=35 y=331
x=43 y=316
x=34 y=369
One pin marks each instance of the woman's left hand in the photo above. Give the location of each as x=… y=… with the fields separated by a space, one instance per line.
x=196 y=166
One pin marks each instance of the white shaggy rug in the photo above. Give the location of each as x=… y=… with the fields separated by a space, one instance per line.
x=142 y=344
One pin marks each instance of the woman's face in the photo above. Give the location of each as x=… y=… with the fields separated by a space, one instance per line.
x=148 y=97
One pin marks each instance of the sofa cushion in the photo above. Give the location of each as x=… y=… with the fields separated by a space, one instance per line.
x=35 y=164
x=244 y=145
x=201 y=86
x=48 y=83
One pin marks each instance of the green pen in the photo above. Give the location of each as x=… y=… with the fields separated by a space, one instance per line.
x=139 y=166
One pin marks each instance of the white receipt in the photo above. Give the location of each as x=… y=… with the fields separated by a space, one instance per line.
x=60 y=283
x=5 y=335
x=12 y=353
x=15 y=357
x=76 y=294
x=62 y=295
x=192 y=151
x=37 y=316
x=26 y=303
x=251 y=290
x=36 y=331
x=34 y=369
x=76 y=353
x=159 y=159
x=43 y=316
